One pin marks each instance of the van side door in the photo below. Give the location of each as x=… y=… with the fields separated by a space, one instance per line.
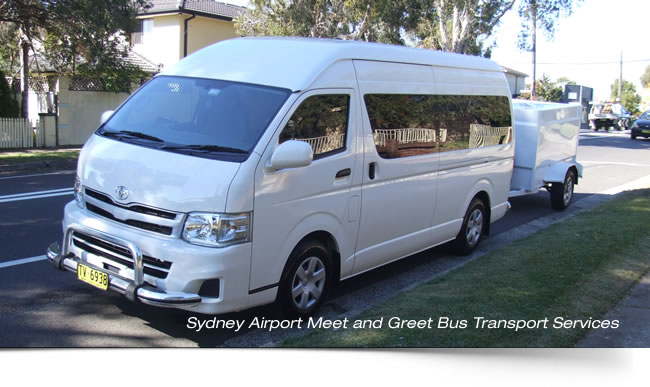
x=292 y=203
x=400 y=162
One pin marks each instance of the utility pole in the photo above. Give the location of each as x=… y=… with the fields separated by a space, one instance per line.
x=534 y=17
x=620 y=81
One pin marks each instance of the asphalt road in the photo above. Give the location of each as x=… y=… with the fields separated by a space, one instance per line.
x=42 y=307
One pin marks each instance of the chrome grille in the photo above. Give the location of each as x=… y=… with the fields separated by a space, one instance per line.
x=151 y=266
x=135 y=215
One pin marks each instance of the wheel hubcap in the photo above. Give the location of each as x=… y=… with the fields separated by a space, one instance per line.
x=568 y=190
x=474 y=227
x=308 y=283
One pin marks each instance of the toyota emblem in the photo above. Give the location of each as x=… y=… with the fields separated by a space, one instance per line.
x=122 y=193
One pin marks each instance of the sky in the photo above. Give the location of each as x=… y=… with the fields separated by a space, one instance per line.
x=586 y=47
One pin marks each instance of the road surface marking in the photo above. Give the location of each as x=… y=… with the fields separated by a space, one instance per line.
x=36 y=195
x=22 y=261
x=614 y=163
x=69 y=172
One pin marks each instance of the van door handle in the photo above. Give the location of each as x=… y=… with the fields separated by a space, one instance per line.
x=343 y=173
x=371 y=171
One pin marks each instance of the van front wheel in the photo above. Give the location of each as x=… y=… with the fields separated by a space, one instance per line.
x=304 y=283
x=471 y=232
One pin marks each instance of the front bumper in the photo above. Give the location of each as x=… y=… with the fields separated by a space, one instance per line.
x=638 y=132
x=134 y=290
x=194 y=278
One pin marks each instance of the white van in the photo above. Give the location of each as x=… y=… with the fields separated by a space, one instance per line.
x=267 y=169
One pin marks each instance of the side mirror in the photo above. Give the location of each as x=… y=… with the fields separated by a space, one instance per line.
x=105 y=116
x=291 y=154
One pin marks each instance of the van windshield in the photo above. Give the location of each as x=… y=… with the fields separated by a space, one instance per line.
x=200 y=117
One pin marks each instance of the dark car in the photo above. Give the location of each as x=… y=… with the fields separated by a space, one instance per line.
x=641 y=127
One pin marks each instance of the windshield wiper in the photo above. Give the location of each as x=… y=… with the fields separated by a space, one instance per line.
x=129 y=133
x=204 y=148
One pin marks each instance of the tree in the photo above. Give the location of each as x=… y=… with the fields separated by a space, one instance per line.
x=369 y=20
x=67 y=32
x=8 y=105
x=645 y=78
x=548 y=90
x=544 y=14
x=460 y=26
x=630 y=100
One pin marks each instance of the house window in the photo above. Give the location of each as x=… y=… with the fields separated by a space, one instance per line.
x=144 y=28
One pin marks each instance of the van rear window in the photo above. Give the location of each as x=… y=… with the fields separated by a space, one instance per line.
x=199 y=117
x=411 y=125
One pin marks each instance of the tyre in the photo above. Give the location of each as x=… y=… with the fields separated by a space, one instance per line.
x=473 y=227
x=304 y=283
x=562 y=193
x=633 y=137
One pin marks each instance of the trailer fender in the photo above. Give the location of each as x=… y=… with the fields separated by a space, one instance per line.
x=557 y=171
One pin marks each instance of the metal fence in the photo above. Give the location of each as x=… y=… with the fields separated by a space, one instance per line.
x=21 y=133
x=404 y=136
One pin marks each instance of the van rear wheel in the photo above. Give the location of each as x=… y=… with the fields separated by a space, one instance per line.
x=473 y=227
x=306 y=279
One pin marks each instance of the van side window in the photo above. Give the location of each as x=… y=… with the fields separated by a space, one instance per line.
x=410 y=125
x=321 y=121
x=402 y=125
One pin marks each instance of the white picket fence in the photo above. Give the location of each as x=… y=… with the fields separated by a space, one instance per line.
x=325 y=143
x=21 y=133
x=404 y=136
x=485 y=135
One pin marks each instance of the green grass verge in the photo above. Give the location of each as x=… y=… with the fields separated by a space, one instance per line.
x=575 y=270
x=35 y=156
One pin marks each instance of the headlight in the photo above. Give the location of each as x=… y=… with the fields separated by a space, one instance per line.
x=216 y=230
x=78 y=192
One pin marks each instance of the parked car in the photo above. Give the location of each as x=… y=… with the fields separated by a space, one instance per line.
x=607 y=115
x=262 y=170
x=641 y=127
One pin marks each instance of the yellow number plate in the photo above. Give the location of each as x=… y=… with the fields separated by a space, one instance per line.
x=92 y=276
x=645 y=131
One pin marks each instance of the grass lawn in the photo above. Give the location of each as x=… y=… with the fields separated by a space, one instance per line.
x=574 y=270
x=30 y=156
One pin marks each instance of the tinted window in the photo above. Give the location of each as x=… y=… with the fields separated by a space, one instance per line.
x=410 y=125
x=321 y=121
x=199 y=117
x=402 y=125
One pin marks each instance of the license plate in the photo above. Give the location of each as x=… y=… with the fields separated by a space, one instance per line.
x=94 y=277
x=645 y=131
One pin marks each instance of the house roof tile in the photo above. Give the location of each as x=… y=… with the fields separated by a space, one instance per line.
x=206 y=7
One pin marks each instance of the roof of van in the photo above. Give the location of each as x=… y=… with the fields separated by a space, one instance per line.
x=294 y=63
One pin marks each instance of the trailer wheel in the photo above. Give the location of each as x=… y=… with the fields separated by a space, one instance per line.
x=562 y=193
x=473 y=228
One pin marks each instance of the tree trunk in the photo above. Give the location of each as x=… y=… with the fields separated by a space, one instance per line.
x=24 y=83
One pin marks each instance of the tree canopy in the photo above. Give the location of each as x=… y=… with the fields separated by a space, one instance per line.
x=544 y=14
x=645 y=78
x=460 y=26
x=86 y=37
x=630 y=100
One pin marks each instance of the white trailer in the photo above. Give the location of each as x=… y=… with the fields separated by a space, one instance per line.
x=546 y=143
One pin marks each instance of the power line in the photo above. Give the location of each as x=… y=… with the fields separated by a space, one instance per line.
x=592 y=63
